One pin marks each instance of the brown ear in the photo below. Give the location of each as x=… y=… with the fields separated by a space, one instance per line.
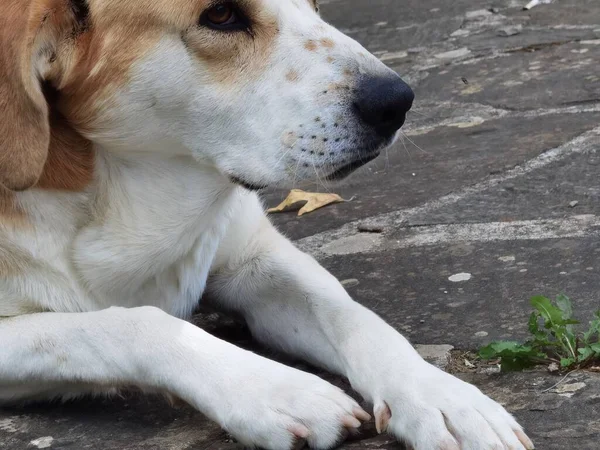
x=30 y=31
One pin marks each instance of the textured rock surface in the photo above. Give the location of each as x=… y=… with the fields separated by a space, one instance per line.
x=504 y=138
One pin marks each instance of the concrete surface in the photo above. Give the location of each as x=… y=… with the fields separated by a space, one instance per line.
x=503 y=140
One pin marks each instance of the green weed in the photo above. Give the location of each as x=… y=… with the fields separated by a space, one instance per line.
x=554 y=339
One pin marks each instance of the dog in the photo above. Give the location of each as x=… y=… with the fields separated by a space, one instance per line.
x=134 y=136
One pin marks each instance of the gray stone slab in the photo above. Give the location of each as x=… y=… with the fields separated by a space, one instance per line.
x=132 y=423
x=548 y=75
x=410 y=287
x=549 y=192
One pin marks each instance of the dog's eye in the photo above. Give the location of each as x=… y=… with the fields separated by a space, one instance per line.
x=223 y=16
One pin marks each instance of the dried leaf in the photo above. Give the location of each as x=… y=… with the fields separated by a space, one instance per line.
x=305 y=201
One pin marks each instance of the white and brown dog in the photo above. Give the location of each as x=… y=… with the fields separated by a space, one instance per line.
x=132 y=135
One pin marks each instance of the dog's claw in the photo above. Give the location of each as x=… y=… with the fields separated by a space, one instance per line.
x=351 y=422
x=383 y=414
x=300 y=431
x=361 y=414
x=524 y=440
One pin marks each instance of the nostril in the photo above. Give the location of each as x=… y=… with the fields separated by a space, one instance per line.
x=382 y=103
x=389 y=115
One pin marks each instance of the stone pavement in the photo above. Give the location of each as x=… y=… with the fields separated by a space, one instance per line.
x=497 y=178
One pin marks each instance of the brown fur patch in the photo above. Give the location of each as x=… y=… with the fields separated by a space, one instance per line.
x=327 y=43
x=24 y=133
x=96 y=67
x=10 y=214
x=70 y=164
x=311 y=45
x=30 y=38
x=292 y=75
x=235 y=57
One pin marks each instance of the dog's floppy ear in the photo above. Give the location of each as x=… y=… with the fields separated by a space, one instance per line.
x=30 y=33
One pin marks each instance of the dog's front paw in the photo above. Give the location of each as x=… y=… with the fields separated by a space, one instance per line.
x=280 y=406
x=435 y=411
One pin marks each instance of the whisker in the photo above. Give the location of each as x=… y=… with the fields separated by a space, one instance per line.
x=319 y=182
x=412 y=111
x=402 y=136
x=412 y=142
x=295 y=178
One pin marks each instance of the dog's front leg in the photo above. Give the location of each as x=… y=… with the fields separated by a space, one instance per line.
x=259 y=401
x=290 y=302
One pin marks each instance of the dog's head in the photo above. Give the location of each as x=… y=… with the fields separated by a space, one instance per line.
x=263 y=90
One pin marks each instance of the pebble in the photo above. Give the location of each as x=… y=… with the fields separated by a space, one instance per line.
x=506 y=258
x=351 y=282
x=573 y=204
x=43 y=442
x=457 y=278
x=438 y=355
x=481 y=334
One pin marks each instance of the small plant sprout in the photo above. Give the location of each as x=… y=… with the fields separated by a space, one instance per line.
x=554 y=339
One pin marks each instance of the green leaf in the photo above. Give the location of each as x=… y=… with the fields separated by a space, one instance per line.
x=497 y=348
x=550 y=313
x=585 y=353
x=559 y=323
x=533 y=324
x=513 y=355
x=564 y=304
x=595 y=348
x=593 y=330
x=534 y=328
x=566 y=362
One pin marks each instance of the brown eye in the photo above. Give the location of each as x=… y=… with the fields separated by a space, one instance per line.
x=222 y=14
x=225 y=16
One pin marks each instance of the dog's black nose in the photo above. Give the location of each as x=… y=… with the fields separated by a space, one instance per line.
x=382 y=102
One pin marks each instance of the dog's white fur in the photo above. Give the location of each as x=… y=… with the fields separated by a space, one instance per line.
x=100 y=281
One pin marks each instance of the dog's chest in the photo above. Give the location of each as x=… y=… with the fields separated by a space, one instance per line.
x=163 y=224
